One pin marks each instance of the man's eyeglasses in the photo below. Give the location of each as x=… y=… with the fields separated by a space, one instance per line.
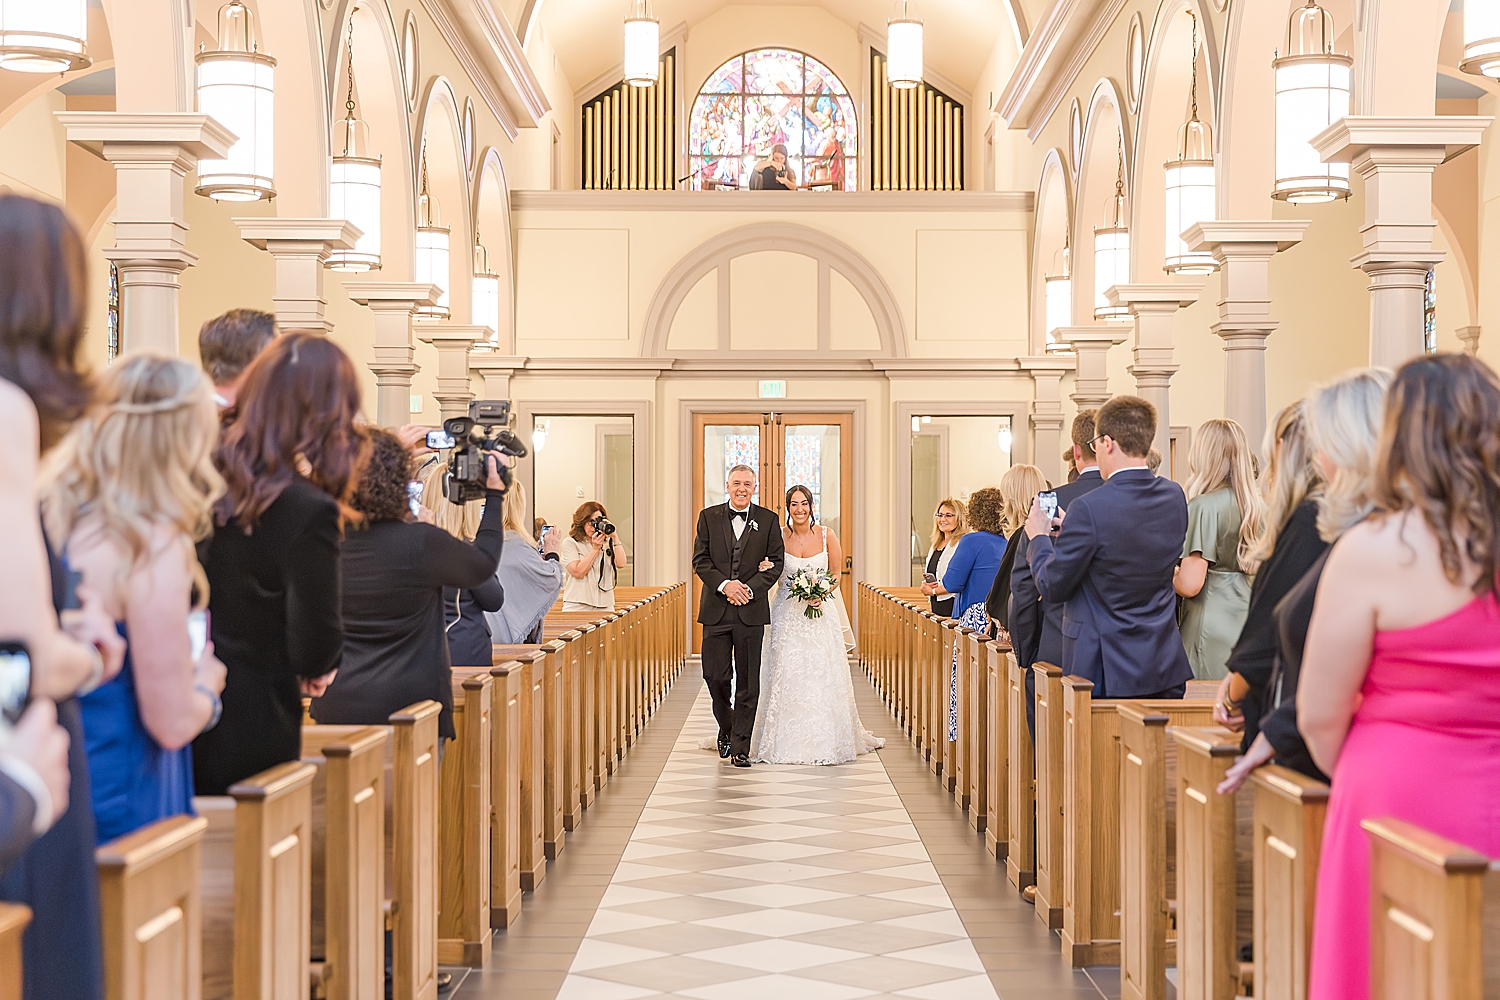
x=1095 y=440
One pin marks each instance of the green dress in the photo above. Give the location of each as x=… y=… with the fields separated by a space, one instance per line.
x=1211 y=621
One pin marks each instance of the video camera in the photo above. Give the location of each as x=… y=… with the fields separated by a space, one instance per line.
x=487 y=429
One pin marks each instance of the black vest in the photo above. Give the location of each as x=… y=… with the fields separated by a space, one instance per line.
x=737 y=545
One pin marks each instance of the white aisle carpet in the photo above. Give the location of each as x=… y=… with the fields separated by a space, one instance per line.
x=777 y=882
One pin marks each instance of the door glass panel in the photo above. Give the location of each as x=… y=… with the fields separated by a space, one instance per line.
x=580 y=458
x=951 y=457
x=812 y=460
x=724 y=447
x=927 y=477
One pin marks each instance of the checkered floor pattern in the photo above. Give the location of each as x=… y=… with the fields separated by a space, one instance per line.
x=784 y=882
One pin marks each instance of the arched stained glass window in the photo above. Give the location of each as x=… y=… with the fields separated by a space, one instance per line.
x=770 y=96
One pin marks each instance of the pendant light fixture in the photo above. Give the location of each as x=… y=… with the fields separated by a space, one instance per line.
x=485 y=310
x=236 y=87
x=1312 y=92
x=903 y=49
x=43 y=36
x=1190 y=185
x=1112 y=250
x=642 y=45
x=1058 y=303
x=1481 y=38
x=354 y=184
x=1004 y=438
x=430 y=265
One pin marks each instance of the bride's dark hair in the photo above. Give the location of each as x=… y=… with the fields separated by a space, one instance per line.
x=811 y=506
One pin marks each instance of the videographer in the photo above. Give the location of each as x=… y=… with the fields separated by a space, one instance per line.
x=593 y=557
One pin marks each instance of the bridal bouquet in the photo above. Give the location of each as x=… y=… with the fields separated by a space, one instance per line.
x=811 y=585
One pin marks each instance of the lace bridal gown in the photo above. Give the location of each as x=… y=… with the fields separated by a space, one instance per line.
x=807 y=713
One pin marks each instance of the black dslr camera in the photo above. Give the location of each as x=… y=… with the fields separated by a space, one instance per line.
x=486 y=429
x=601 y=524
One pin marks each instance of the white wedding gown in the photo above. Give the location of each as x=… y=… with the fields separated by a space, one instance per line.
x=807 y=713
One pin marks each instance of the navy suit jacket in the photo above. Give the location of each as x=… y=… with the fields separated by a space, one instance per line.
x=1036 y=625
x=1111 y=567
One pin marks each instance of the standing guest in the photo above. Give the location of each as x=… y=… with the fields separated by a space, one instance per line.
x=1225 y=514
x=395 y=569
x=1070 y=465
x=1343 y=434
x=949 y=524
x=1153 y=461
x=971 y=572
x=126 y=495
x=1401 y=698
x=593 y=560
x=1111 y=565
x=532 y=576
x=466 y=611
x=1018 y=486
x=226 y=346
x=42 y=391
x=33 y=778
x=290 y=462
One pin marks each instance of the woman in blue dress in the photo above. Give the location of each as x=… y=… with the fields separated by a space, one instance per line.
x=971 y=574
x=125 y=496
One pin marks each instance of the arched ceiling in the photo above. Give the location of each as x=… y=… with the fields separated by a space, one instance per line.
x=960 y=35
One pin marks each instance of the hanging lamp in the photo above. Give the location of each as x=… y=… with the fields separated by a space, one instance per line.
x=642 y=45
x=1481 y=38
x=44 y=36
x=1312 y=92
x=903 y=49
x=485 y=309
x=1190 y=185
x=236 y=86
x=1112 y=251
x=354 y=184
x=1058 y=302
x=430 y=264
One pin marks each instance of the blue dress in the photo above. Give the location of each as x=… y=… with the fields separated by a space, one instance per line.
x=135 y=781
x=970 y=574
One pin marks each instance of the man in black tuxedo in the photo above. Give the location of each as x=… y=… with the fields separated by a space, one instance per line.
x=731 y=542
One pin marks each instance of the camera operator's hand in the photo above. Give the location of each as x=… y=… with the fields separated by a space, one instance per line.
x=413 y=438
x=492 y=465
x=314 y=687
x=598 y=539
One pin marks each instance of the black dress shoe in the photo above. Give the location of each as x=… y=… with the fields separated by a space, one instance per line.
x=741 y=760
x=723 y=746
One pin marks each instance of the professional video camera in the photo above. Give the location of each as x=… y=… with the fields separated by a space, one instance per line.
x=487 y=429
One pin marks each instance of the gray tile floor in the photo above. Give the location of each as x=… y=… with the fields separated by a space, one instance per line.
x=693 y=879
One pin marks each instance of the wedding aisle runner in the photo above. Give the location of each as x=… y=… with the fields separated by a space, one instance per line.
x=784 y=882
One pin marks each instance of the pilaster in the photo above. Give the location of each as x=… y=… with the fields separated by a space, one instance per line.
x=497 y=371
x=1047 y=373
x=1091 y=346
x=1153 y=306
x=453 y=342
x=300 y=248
x=392 y=302
x=1469 y=337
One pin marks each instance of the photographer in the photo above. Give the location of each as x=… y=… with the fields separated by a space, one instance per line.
x=593 y=558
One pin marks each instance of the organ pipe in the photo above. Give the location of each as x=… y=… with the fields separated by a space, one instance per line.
x=629 y=135
x=916 y=135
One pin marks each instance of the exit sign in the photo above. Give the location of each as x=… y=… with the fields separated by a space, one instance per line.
x=773 y=388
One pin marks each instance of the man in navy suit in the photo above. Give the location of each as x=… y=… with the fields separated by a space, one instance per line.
x=1111 y=565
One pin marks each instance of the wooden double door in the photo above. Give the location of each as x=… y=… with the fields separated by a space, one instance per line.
x=815 y=450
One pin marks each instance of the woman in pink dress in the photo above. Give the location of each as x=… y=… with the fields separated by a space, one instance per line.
x=1400 y=692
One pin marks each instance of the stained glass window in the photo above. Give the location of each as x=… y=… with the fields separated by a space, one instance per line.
x=742 y=449
x=1429 y=312
x=114 y=311
x=770 y=96
x=804 y=465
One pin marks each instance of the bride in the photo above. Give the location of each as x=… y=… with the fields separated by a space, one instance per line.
x=807 y=712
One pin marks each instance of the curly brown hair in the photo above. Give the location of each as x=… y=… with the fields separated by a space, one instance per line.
x=381 y=494
x=987 y=510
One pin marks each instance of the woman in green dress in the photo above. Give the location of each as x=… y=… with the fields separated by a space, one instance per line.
x=1225 y=511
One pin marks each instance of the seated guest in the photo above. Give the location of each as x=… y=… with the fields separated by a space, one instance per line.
x=395 y=569
x=1225 y=513
x=593 y=561
x=464 y=611
x=290 y=461
x=971 y=572
x=226 y=346
x=1111 y=565
x=1343 y=433
x=532 y=576
x=1401 y=689
x=125 y=496
x=949 y=524
x=774 y=174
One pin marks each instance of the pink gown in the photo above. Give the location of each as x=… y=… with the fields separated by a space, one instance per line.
x=1424 y=747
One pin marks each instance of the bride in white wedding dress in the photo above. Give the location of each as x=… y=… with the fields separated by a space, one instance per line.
x=807 y=712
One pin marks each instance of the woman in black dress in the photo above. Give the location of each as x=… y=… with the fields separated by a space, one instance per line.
x=290 y=460
x=776 y=175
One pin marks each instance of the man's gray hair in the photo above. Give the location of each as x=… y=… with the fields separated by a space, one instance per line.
x=738 y=468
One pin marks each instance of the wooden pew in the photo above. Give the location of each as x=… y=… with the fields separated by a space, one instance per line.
x=997 y=743
x=1287 y=842
x=150 y=915
x=1047 y=758
x=532 y=769
x=465 y=829
x=975 y=725
x=1434 y=916
x=13 y=920
x=1020 y=857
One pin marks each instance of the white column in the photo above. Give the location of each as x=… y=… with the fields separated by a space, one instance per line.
x=1244 y=250
x=1047 y=374
x=1153 y=306
x=1091 y=346
x=497 y=371
x=1469 y=337
x=300 y=247
x=1396 y=157
x=392 y=302
x=453 y=343
x=152 y=155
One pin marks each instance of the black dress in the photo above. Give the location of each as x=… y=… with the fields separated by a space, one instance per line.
x=1298 y=547
x=770 y=178
x=940 y=605
x=395 y=649
x=470 y=642
x=1293 y=618
x=274 y=604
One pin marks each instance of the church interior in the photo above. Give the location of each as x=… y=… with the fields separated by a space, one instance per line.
x=1004 y=212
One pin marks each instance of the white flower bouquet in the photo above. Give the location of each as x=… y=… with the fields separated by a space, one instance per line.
x=808 y=585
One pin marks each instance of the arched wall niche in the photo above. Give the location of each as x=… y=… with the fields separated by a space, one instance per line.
x=1054 y=212
x=492 y=221
x=441 y=135
x=835 y=261
x=1105 y=140
x=290 y=32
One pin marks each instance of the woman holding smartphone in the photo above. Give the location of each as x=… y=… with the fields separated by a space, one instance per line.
x=949 y=524
x=126 y=496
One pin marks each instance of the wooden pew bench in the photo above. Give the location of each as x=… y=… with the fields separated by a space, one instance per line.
x=1287 y=841
x=150 y=915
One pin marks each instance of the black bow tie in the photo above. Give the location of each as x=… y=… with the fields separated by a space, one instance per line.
x=739 y=515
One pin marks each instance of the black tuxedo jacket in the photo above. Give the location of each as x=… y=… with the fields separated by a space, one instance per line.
x=712 y=545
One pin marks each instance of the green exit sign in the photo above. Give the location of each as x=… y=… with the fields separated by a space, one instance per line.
x=773 y=388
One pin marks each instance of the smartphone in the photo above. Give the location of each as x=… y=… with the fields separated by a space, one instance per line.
x=414 y=496
x=15 y=680
x=1048 y=500
x=542 y=539
x=929 y=578
x=197 y=633
x=439 y=440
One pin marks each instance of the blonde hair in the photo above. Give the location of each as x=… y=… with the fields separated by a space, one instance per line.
x=141 y=457
x=960 y=522
x=515 y=512
x=461 y=520
x=1019 y=485
x=1220 y=457
x=1344 y=420
x=1291 y=477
